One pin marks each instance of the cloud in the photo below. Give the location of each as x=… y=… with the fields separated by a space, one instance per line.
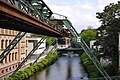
x=82 y=14
x=103 y=3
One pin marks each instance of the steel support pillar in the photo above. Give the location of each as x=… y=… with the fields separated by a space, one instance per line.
x=86 y=49
x=11 y=46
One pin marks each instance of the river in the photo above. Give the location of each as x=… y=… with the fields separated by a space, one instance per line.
x=67 y=67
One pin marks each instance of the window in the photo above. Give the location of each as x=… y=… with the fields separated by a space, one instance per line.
x=16 y=65
x=6 y=41
x=6 y=70
x=2 y=44
x=21 y=59
x=9 y=41
x=6 y=60
x=13 y=56
x=9 y=57
x=26 y=52
x=2 y=71
x=13 y=67
x=10 y=68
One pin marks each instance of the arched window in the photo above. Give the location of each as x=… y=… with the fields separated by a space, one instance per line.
x=10 y=68
x=9 y=57
x=6 y=70
x=2 y=71
x=13 y=56
x=2 y=44
x=6 y=60
x=13 y=67
x=6 y=43
x=9 y=41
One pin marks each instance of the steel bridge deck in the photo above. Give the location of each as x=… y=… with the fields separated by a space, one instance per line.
x=13 y=18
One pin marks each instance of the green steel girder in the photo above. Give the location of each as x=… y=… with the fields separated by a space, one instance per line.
x=70 y=28
x=38 y=6
x=87 y=50
x=11 y=46
x=30 y=54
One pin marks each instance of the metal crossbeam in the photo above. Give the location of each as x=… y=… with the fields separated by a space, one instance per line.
x=11 y=46
x=37 y=8
x=30 y=54
x=86 y=49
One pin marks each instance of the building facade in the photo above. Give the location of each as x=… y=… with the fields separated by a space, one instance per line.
x=17 y=55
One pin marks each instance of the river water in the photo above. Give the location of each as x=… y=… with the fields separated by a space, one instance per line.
x=67 y=67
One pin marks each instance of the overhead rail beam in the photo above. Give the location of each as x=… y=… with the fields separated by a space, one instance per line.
x=29 y=23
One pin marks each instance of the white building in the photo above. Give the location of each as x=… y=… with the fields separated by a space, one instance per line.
x=32 y=41
x=92 y=44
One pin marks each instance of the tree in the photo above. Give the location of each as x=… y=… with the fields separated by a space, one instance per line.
x=88 y=35
x=110 y=26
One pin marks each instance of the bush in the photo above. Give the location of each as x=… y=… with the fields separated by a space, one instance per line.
x=90 y=67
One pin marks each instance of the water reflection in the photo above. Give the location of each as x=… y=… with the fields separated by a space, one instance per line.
x=67 y=67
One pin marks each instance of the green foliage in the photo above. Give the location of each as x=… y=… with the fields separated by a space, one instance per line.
x=90 y=67
x=108 y=31
x=36 y=35
x=88 y=35
x=48 y=41
x=110 y=69
x=29 y=71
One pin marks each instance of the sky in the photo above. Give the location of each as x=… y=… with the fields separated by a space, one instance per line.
x=82 y=13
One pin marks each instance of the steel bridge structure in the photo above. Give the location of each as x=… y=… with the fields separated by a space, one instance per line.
x=34 y=16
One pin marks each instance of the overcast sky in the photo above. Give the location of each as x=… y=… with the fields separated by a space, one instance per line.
x=82 y=13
